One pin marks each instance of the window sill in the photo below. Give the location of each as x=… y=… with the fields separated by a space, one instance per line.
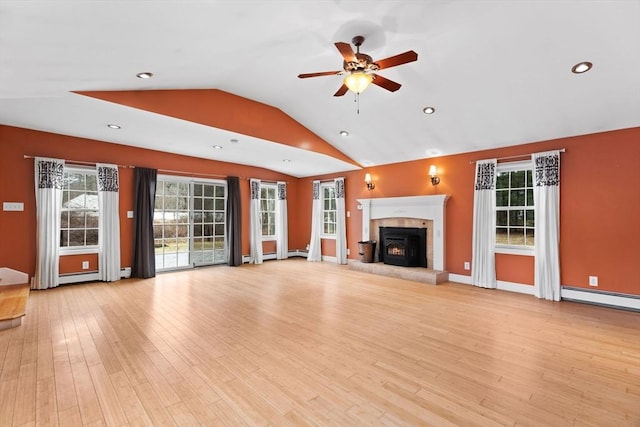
x=80 y=250
x=515 y=250
x=269 y=238
x=328 y=236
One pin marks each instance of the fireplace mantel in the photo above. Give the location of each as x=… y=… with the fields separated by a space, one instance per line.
x=420 y=207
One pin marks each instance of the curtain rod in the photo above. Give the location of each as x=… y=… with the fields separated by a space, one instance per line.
x=562 y=150
x=78 y=162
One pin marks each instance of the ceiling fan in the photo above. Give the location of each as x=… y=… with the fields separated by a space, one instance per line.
x=360 y=68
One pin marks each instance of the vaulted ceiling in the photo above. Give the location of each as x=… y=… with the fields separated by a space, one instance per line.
x=498 y=73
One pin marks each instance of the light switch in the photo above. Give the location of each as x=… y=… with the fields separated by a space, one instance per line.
x=13 y=206
x=129 y=214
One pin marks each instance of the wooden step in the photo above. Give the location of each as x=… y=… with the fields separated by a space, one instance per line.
x=13 y=304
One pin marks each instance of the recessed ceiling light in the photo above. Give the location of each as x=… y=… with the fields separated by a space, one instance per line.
x=217 y=147
x=344 y=133
x=428 y=110
x=113 y=126
x=234 y=141
x=581 y=67
x=145 y=75
x=286 y=160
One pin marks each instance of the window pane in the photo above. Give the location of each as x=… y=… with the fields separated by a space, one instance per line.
x=197 y=189
x=197 y=204
x=516 y=236
x=219 y=204
x=208 y=217
x=76 y=237
x=91 y=182
x=76 y=181
x=92 y=237
x=183 y=189
x=208 y=191
x=529 y=179
x=530 y=220
x=529 y=197
x=518 y=179
x=530 y=234
x=64 y=238
x=219 y=229
x=502 y=236
x=197 y=217
x=170 y=202
x=501 y=218
x=158 y=203
x=183 y=217
x=197 y=230
x=157 y=231
x=502 y=198
x=76 y=219
x=64 y=221
x=76 y=200
x=183 y=203
x=92 y=219
x=208 y=204
x=219 y=216
x=171 y=188
x=219 y=191
x=516 y=217
x=517 y=197
x=502 y=180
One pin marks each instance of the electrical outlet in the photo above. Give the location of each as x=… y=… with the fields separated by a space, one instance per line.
x=593 y=280
x=467 y=266
x=129 y=214
x=348 y=251
x=348 y=214
x=85 y=265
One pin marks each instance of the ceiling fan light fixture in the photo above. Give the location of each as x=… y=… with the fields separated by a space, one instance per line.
x=358 y=81
x=581 y=67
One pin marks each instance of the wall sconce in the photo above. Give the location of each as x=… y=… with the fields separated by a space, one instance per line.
x=367 y=180
x=433 y=173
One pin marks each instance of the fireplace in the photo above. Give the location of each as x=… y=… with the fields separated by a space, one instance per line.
x=404 y=246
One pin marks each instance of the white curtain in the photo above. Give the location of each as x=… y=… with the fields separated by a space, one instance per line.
x=282 y=239
x=341 y=227
x=546 y=198
x=108 y=223
x=483 y=263
x=256 y=223
x=316 y=225
x=49 y=174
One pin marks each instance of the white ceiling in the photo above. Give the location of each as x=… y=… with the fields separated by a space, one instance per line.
x=497 y=72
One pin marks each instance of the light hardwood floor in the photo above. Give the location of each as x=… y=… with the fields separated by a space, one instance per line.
x=298 y=343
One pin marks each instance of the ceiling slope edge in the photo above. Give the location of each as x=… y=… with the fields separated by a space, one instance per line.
x=224 y=110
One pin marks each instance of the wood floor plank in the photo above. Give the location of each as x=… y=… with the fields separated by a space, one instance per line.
x=292 y=343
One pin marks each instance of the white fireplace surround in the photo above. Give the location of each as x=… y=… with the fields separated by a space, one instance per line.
x=419 y=207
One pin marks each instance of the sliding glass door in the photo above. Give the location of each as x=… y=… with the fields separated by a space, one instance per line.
x=189 y=223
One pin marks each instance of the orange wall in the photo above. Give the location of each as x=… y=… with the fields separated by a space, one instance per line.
x=600 y=207
x=16 y=185
x=600 y=201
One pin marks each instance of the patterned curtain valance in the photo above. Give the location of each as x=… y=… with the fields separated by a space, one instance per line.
x=339 y=182
x=255 y=189
x=49 y=173
x=316 y=190
x=486 y=174
x=547 y=168
x=107 y=177
x=282 y=190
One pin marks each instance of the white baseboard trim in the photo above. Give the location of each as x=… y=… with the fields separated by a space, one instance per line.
x=502 y=285
x=609 y=299
x=270 y=256
x=91 y=276
x=589 y=296
x=329 y=259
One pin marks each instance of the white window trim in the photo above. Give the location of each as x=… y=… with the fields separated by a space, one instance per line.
x=79 y=250
x=324 y=185
x=514 y=249
x=271 y=237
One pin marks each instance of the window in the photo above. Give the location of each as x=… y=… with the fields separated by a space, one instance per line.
x=268 y=211
x=515 y=220
x=328 y=209
x=79 y=219
x=188 y=223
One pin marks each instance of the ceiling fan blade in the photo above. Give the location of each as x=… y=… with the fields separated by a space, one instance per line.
x=385 y=83
x=324 y=73
x=399 y=59
x=343 y=89
x=346 y=51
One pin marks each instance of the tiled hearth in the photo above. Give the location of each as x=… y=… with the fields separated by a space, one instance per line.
x=415 y=274
x=412 y=211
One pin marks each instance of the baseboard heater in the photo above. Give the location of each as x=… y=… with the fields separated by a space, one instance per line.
x=603 y=298
x=271 y=256
x=89 y=276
